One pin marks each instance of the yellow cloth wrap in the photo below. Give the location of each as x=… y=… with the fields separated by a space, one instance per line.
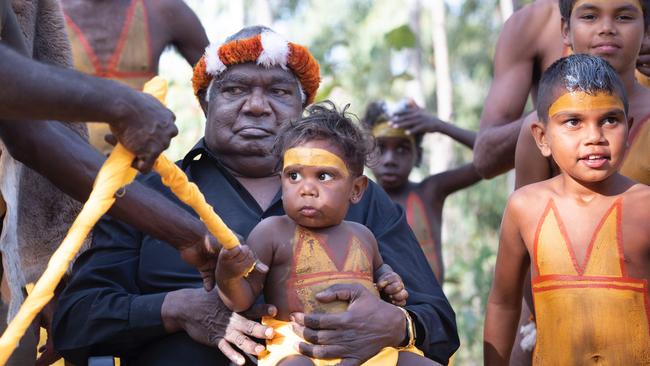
x=114 y=174
x=385 y=130
x=282 y=345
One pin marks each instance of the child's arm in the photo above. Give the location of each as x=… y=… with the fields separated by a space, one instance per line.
x=237 y=290
x=388 y=282
x=441 y=185
x=530 y=165
x=504 y=302
x=416 y=120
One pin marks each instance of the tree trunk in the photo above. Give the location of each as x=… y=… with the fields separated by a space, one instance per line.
x=507 y=7
x=441 y=152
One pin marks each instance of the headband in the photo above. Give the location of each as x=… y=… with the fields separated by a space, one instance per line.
x=267 y=49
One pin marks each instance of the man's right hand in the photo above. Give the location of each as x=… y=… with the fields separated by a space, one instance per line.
x=207 y=320
x=145 y=128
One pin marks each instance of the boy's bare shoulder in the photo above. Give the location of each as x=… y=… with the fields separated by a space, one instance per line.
x=637 y=197
x=360 y=230
x=270 y=226
x=532 y=195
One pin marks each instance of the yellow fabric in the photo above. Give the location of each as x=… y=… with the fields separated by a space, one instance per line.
x=282 y=345
x=114 y=174
x=637 y=160
x=589 y=313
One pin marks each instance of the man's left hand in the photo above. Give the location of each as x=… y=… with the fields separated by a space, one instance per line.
x=203 y=256
x=355 y=335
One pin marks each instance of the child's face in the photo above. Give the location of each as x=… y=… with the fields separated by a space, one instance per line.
x=317 y=186
x=397 y=157
x=611 y=29
x=586 y=135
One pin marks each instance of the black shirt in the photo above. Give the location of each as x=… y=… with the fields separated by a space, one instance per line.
x=113 y=301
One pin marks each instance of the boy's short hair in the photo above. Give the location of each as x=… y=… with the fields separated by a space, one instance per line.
x=376 y=113
x=322 y=121
x=566 y=8
x=580 y=72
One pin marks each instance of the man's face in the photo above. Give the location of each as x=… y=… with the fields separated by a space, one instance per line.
x=317 y=186
x=247 y=105
x=397 y=157
x=586 y=135
x=611 y=29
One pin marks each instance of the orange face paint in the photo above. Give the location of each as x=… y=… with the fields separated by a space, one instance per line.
x=578 y=3
x=385 y=130
x=308 y=156
x=580 y=101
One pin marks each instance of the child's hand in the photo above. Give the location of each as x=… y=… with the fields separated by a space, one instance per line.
x=390 y=286
x=235 y=263
x=416 y=120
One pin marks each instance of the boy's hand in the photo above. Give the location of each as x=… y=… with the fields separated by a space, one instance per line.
x=235 y=263
x=416 y=120
x=391 y=286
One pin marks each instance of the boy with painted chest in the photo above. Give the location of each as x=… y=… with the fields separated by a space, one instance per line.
x=583 y=233
x=312 y=248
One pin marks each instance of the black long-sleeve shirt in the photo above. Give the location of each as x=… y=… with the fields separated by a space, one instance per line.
x=113 y=301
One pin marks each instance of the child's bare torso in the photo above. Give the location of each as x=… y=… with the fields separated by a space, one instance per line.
x=590 y=266
x=307 y=261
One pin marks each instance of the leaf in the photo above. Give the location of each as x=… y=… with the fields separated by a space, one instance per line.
x=400 y=37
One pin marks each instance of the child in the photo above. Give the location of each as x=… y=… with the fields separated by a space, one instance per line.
x=399 y=138
x=584 y=231
x=312 y=248
x=613 y=30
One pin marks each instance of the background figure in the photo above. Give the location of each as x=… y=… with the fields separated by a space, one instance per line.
x=122 y=40
x=399 y=139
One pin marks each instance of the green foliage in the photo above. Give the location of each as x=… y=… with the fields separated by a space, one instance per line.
x=400 y=37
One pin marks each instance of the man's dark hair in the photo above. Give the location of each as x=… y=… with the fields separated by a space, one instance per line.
x=566 y=8
x=376 y=114
x=322 y=121
x=589 y=74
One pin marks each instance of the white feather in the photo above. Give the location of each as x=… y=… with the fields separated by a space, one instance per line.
x=213 y=64
x=275 y=50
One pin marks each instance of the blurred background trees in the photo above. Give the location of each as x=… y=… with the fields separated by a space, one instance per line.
x=437 y=52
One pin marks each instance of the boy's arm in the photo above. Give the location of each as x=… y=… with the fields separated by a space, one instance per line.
x=186 y=32
x=504 y=302
x=530 y=165
x=443 y=184
x=514 y=62
x=238 y=286
x=416 y=120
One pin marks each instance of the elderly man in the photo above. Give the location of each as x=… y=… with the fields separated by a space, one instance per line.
x=132 y=296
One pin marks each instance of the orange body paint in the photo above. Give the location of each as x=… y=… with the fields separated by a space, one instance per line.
x=578 y=3
x=307 y=156
x=589 y=313
x=579 y=101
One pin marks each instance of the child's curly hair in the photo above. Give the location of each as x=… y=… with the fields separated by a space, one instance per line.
x=323 y=121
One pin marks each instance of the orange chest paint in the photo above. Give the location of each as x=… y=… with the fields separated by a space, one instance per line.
x=589 y=313
x=314 y=268
x=418 y=220
x=637 y=159
x=131 y=62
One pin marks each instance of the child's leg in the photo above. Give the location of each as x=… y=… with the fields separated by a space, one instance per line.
x=296 y=360
x=411 y=359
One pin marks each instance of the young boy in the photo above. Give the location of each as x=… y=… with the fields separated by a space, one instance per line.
x=399 y=138
x=583 y=233
x=613 y=30
x=312 y=247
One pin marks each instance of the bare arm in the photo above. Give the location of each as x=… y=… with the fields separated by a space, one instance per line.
x=10 y=32
x=71 y=164
x=450 y=181
x=238 y=286
x=36 y=91
x=186 y=32
x=416 y=120
x=504 y=302
x=530 y=165
x=514 y=62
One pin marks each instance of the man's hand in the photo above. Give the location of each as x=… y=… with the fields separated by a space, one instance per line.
x=391 y=286
x=208 y=321
x=235 y=263
x=203 y=256
x=355 y=335
x=416 y=120
x=643 y=61
x=48 y=355
x=145 y=128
